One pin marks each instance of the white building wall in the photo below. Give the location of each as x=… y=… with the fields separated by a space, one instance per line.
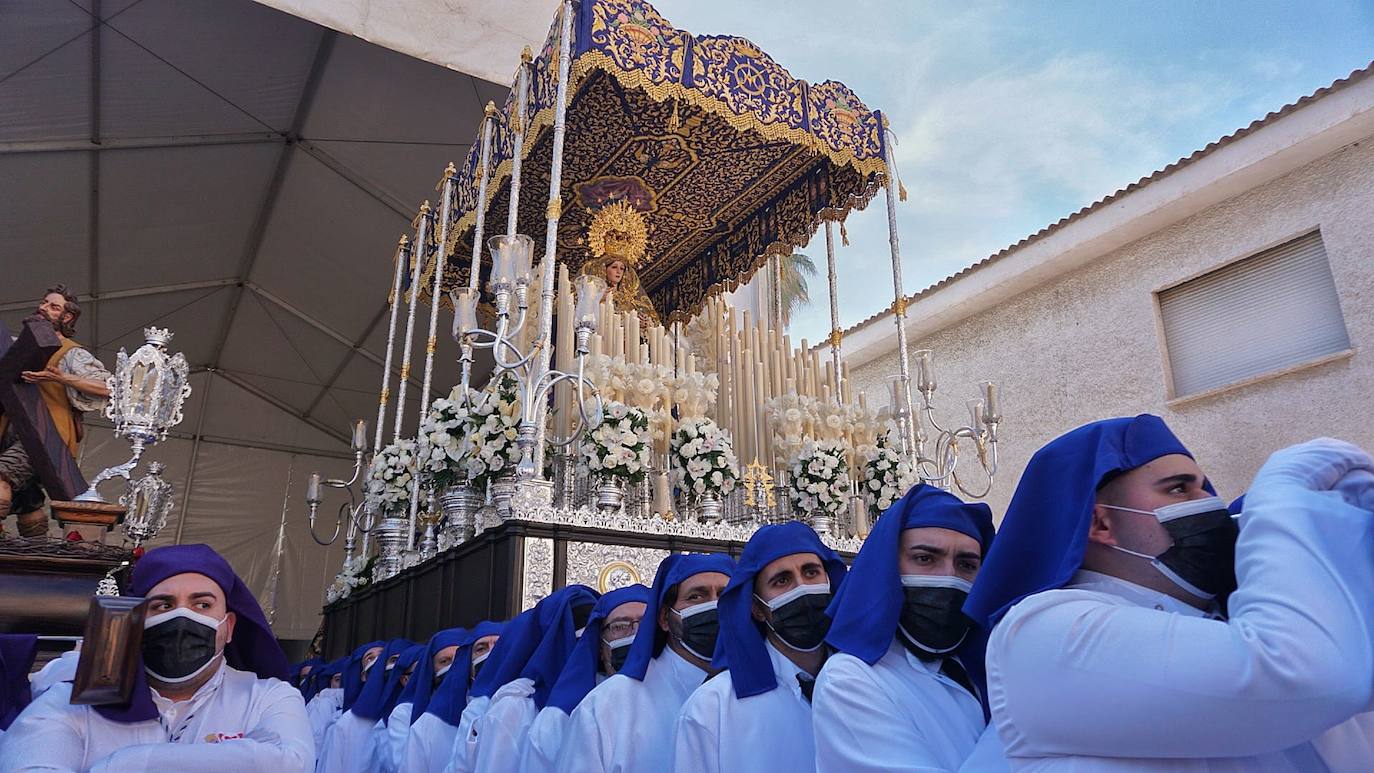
x=1084 y=345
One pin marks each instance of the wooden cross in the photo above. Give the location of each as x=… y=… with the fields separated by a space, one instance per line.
x=22 y=404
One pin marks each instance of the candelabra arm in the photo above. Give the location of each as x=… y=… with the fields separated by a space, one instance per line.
x=118 y=471
x=338 y=524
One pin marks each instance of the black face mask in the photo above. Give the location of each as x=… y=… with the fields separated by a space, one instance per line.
x=179 y=644
x=620 y=652
x=799 y=617
x=932 y=621
x=477 y=667
x=700 y=627
x=1202 y=559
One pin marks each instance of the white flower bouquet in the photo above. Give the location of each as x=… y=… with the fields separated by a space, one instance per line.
x=356 y=573
x=703 y=458
x=819 y=480
x=886 y=475
x=447 y=431
x=390 y=476
x=492 y=427
x=619 y=447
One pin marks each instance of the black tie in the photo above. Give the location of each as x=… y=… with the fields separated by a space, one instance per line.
x=955 y=670
x=807 y=685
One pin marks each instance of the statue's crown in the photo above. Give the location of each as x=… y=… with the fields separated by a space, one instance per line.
x=618 y=230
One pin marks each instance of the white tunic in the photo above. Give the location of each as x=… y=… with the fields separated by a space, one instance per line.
x=59 y=669
x=624 y=725
x=235 y=722
x=462 y=753
x=389 y=740
x=346 y=745
x=1104 y=675
x=322 y=710
x=502 y=729
x=899 y=714
x=719 y=733
x=545 y=738
x=428 y=745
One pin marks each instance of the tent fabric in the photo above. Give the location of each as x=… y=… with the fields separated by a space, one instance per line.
x=240 y=175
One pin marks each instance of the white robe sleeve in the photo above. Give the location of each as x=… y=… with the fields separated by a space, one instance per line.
x=858 y=728
x=502 y=731
x=1076 y=676
x=280 y=742
x=45 y=738
x=542 y=742
x=428 y=745
x=321 y=711
x=582 y=750
x=392 y=739
x=696 y=748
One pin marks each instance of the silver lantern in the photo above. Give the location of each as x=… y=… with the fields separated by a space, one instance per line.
x=147 y=391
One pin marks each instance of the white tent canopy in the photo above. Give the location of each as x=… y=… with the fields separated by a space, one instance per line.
x=240 y=175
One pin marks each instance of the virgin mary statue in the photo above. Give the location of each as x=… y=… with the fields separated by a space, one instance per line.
x=618 y=238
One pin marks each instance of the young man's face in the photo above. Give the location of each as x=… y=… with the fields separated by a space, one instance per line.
x=1165 y=481
x=940 y=552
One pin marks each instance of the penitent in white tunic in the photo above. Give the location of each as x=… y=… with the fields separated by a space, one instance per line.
x=389 y=739
x=428 y=745
x=346 y=745
x=502 y=729
x=1104 y=675
x=719 y=733
x=235 y=722
x=545 y=738
x=899 y=714
x=624 y=725
x=462 y=754
x=322 y=710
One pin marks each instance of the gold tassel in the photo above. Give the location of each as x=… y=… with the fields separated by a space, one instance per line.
x=844 y=235
x=901 y=190
x=674 y=122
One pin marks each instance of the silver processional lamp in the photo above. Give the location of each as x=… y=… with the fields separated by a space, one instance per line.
x=147 y=391
x=314 y=493
x=149 y=501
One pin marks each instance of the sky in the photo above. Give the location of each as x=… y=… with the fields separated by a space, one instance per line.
x=1010 y=116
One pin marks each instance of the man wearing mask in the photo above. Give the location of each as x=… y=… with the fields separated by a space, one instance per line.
x=1110 y=650
x=599 y=653
x=757 y=715
x=211 y=693
x=531 y=659
x=327 y=703
x=434 y=725
x=346 y=743
x=72 y=384
x=897 y=694
x=430 y=668
x=625 y=724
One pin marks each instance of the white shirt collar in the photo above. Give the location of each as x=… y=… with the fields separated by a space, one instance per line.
x=173 y=711
x=786 y=672
x=1136 y=594
x=688 y=676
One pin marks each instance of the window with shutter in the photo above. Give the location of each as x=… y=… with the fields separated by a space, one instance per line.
x=1268 y=312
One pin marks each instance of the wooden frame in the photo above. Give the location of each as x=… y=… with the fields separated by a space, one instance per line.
x=110 y=651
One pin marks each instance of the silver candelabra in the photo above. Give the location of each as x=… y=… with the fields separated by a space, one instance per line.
x=940 y=467
x=359 y=518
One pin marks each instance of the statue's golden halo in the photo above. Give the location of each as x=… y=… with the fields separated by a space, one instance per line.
x=618 y=230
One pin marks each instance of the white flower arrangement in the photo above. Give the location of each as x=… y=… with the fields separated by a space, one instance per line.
x=390 y=476
x=355 y=573
x=492 y=428
x=703 y=458
x=619 y=447
x=819 y=480
x=886 y=475
x=447 y=431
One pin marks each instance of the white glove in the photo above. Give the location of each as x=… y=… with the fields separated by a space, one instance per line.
x=1357 y=487
x=1318 y=465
